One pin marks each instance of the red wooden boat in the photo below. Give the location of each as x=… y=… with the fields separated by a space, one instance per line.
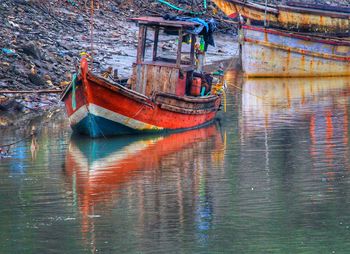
x=162 y=94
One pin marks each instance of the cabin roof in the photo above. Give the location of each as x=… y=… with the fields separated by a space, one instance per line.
x=159 y=21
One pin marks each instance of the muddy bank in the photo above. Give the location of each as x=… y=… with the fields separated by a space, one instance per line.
x=41 y=43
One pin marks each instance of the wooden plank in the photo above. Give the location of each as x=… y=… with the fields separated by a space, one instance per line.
x=140 y=46
x=155 y=44
x=185 y=104
x=193 y=42
x=163 y=22
x=30 y=91
x=179 y=49
x=144 y=44
x=139 y=76
x=187 y=99
x=186 y=111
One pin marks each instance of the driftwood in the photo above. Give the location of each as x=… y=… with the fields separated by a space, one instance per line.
x=28 y=91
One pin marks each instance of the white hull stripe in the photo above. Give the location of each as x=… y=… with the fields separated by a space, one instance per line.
x=96 y=110
x=113 y=160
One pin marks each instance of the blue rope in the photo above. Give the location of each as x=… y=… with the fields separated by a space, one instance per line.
x=74 y=102
x=184 y=10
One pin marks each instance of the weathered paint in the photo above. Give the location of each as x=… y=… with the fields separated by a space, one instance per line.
x=232 y=9
x=292 y=19
x=104 y=109
x=96 y=121
x=289 y=17
x=273 y=53
x=150 y=77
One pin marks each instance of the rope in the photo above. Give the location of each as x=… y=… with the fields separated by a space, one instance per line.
x=92 y=28
x=17 y=141
x=184 y=10
x=73 y=84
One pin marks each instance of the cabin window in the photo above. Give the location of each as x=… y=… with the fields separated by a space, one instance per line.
x=162 y=45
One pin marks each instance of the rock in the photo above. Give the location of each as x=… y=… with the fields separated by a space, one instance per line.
x=21 y=2
x=114 y=9
x=10 y=104
x=3 y=85
x=80 y=21
x=38 y=63
x=31 y=49
x=36 y=79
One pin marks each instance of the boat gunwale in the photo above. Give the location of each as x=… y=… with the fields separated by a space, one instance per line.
x=191 y=99
x=322 y=7
x=327 y=13
x=148 y=101
x=274 y=9
x=331 y=41
x=270 y=9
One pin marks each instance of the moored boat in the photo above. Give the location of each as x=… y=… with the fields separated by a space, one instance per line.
x=277 y=53
x=296 y=16
x=162 y=94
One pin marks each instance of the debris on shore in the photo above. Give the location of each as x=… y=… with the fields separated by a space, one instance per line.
x=41 y=41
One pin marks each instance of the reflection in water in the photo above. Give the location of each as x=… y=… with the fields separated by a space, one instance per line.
x=298 y=129
x=103 y=172
x=271 y=177
x=282 y=101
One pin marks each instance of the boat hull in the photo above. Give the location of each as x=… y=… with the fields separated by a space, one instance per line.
x=302 y=18
x=274 y=53
x=106 y=109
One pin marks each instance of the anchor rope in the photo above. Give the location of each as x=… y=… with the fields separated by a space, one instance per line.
x=205 y=6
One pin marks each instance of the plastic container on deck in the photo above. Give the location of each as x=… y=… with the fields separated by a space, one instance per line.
x=196 y=86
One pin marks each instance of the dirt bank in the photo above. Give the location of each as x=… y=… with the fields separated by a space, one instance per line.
x=41 y=42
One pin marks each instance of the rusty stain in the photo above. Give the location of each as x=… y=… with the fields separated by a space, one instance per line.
x=267 y=53
x=346 y=137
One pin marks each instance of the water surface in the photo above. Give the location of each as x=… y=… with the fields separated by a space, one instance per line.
x=271 y=176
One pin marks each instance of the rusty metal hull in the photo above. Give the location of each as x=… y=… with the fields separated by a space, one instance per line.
x=320 y=22
x=274 y=53
x=294 y=18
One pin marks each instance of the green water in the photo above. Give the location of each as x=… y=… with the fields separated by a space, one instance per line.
x=271 y=176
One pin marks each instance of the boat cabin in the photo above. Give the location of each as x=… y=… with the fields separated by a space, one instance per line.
x=153 y=72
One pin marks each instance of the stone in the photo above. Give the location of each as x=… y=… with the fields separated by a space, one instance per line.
x=10 y=104
x=36 y=79
x=80 y=21
x=31 y=49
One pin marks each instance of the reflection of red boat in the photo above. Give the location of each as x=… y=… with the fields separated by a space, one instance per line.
x=100 y=171
x=162 y=94
x=102 y=166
